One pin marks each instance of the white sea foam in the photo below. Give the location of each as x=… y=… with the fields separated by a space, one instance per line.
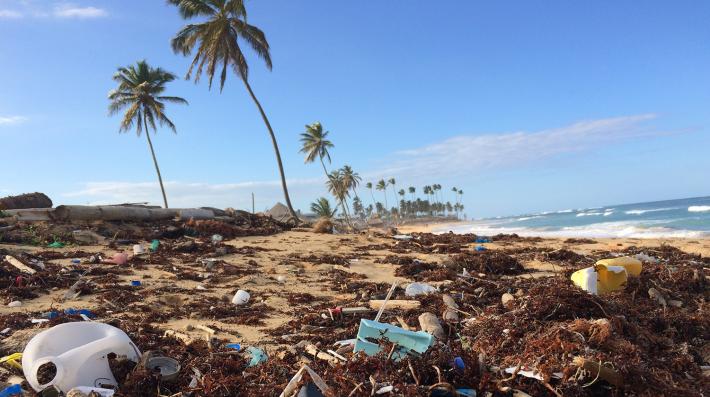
x=699 y=208
x=525 y=218
x=628 y=229
x=589 y=214
x=641 y=212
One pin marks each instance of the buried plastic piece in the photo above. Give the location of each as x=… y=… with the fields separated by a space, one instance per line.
x=480 y=248
x=77 y=355
x=371 y=333
x=415 y=289
x=442 y=392
x=606 y=275
x=169 y=368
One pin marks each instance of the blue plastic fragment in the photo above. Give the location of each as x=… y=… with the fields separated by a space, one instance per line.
x=480 y=248
x=76 y=261
x=482 y=240
x=407 y=341
x=75 y=312
x=136 y=283
x=235 y=346
x=459 y=363
x=14 y=390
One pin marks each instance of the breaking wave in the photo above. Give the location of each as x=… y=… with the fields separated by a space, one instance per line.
x=699 y=208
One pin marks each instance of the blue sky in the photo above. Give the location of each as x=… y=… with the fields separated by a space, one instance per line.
x=527 y=106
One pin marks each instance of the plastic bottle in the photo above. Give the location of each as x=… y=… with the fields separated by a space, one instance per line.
x=79 y=352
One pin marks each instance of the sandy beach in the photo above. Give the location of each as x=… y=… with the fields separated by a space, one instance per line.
x=293 y=278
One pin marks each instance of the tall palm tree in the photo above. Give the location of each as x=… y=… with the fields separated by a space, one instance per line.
x=401 y=192
x=369 y=186
x=139 y=91
x=412 y=190
x=216 y=41
x=315 y=144
x=382 y=185
x=322 y=208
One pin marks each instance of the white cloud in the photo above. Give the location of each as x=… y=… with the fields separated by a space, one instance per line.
x=10 y=14
x=186 y=194
x=467 y=154
x=37 y=9
x=7 y=120
x=72 y=11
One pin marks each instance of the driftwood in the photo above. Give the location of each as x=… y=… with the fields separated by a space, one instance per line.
x=599 y=371
x=126 y=213
x=395 y=304
x=29 y=200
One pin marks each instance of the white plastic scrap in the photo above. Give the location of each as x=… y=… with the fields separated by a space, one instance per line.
x=415 y=289
x=386 y=389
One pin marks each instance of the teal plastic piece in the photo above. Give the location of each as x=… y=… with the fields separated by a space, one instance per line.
x=154 y=245
x=258 y=356
x=407 y=341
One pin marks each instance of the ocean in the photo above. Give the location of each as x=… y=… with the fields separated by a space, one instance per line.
x=682 y=218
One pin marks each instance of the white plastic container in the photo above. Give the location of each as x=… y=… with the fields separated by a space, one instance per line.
x=79 y=352
x=241 y=297
x=138 y=249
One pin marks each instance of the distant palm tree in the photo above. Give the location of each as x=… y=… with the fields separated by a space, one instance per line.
x=217 y=42
x=336 y=187
x=369 y=186
x=351 y=179
x=401 y=192
x=382 y=185
x=139 y=90
x=322 y=208
x=392 y=183
x=412 y=190
x=315 y=144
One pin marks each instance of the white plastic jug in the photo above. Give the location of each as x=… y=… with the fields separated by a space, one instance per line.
x=79 y=352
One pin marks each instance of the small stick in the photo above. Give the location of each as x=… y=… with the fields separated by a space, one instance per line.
x=359 y=385
x=414 y=375
x=387 y=298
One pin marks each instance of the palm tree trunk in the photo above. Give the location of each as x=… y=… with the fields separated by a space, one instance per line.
x=373 y=196
x=276 y=148
x=155 y=160
x=324 y=170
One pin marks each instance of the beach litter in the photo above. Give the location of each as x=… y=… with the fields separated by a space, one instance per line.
x=371 y=337
x=415 y=289
x=75 y=354
x=607 y=275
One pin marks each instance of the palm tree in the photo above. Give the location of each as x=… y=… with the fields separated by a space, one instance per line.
x=351 y=179
x=139 y=91
x=412 y=190
x=382 y=185
x=322 y=208
x=217 y=42
x=401 y=192
x=315 y=144
x=336 y=187
x=392 y=182
x=369 y=186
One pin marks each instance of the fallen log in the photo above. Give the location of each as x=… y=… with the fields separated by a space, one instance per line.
x=28 y=200
x=126 y=213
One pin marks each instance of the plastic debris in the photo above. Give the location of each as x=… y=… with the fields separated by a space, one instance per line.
x=241 y=297
x=415 y=289
x=169 y=367
x=407 y=341
x=480 y=248
x=138 y=249
x=402 y=237
x=606 y=275
x=136 y=283
x=13 y=390
x=12 y=359
x=154 y=245
x=56 y=244
x=294 y=382
x=216 y=238
x=78 y=350
x=14 y=304
x=257 y=355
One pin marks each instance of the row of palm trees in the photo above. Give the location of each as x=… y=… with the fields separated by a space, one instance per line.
x=341 y=182
x=214 y=43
